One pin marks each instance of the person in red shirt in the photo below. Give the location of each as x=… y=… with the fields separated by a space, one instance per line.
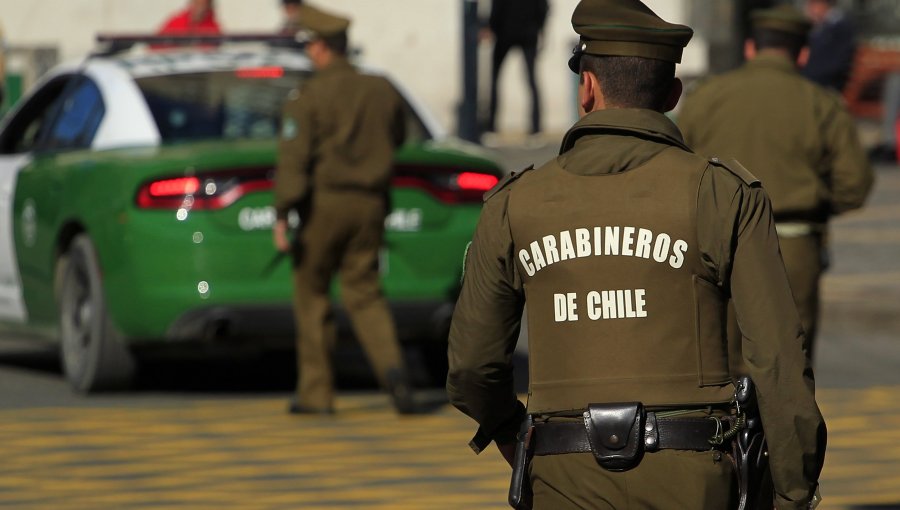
x=198 y=18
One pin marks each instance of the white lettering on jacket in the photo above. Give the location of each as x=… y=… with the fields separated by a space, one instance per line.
x=606 y=241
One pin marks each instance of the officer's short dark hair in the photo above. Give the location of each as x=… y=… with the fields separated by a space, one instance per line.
x=766 y=38
x=291 y=2
x=337 y=43
x=632 y=82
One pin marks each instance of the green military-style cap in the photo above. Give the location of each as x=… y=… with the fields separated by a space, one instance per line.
x=319 y=23
x=784 y=18
x=625 y=28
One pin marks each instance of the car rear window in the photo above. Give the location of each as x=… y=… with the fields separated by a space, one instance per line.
x=229 y=105
x=217 y=105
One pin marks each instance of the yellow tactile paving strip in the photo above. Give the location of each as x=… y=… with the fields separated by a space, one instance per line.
x=245 y=453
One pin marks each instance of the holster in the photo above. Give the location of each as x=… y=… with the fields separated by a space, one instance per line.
x=756 y=490
x=520 y=496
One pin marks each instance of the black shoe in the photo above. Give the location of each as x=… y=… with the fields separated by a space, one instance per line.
x=295 y=407
x=401 y=393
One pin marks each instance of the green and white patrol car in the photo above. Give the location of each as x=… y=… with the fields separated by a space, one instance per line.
x=135 y=209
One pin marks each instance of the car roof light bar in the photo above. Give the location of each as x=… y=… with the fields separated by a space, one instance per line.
x=117 y=43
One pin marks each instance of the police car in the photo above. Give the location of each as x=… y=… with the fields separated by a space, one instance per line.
x=135 y=208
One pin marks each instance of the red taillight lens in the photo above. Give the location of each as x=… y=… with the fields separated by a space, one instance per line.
x=475 y=181
x=448 y=185
x=174 y=187
x=270 y=72
x=215 y=190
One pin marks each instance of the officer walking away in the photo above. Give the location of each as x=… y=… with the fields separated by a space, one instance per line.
x=796 y=136
x=626 y=248
x=334 y=166
x=516 y=23
x=832 y=45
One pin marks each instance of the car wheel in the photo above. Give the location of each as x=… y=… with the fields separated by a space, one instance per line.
x=93 y=356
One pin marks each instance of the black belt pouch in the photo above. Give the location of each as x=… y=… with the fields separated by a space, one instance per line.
x=615 y=432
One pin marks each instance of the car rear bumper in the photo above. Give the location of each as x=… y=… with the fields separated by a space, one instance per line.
x=273 y=325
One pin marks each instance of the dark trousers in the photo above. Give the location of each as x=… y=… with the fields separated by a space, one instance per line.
x=529 y=50
x=663 y=479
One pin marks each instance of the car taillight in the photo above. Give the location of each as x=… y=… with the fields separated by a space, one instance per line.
x=473 y=181
x=268 y=72
x=215 y=190
x=447 y=184
x=174 y=187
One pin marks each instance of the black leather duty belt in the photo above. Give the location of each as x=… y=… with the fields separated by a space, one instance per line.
x=554 y=438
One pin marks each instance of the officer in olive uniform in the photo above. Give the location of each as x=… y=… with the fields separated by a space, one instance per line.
x=626 y=248
x=794 y=135
x=334 y=166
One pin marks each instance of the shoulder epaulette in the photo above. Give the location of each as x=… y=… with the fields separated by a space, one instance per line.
x=733 y=166
x=506 y=181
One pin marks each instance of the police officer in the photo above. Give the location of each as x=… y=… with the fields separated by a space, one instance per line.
x=626 y=248
x=334 y=166
x=794 y=135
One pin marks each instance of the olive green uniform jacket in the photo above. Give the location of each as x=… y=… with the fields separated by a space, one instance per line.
x=333 y=135
x=794 y=135
x=800 y=141
x=737 y=244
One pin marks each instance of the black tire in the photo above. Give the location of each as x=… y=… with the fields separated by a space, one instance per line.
x=93 y=356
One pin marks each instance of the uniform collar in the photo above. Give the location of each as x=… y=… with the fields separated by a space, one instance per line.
x=772 y=59
x=641 y=123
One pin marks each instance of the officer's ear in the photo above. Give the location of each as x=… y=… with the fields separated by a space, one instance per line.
x=674 y=95
x=590 y=95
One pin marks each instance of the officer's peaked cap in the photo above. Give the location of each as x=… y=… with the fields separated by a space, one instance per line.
x=625 y=28
x=320 y=23
x=783 y=18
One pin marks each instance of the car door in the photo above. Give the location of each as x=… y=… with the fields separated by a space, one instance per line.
x=19 y=137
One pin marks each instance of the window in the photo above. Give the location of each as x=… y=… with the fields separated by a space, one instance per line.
x=229 y=105
x=31 y=121
x=80 y=113
x=217 y=105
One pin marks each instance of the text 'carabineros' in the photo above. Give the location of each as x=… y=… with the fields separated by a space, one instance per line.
x=602 y=241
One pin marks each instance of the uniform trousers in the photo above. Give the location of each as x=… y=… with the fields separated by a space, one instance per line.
x=342 y=235
x=666 y=479
x=804 y=262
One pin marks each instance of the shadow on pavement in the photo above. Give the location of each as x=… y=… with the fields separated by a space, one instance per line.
x=269 y=372
x=36 y=359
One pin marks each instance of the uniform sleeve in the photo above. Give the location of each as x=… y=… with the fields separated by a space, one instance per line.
x=485 y=329
x=292 y=172
x=738 y=236
x=851 y=174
